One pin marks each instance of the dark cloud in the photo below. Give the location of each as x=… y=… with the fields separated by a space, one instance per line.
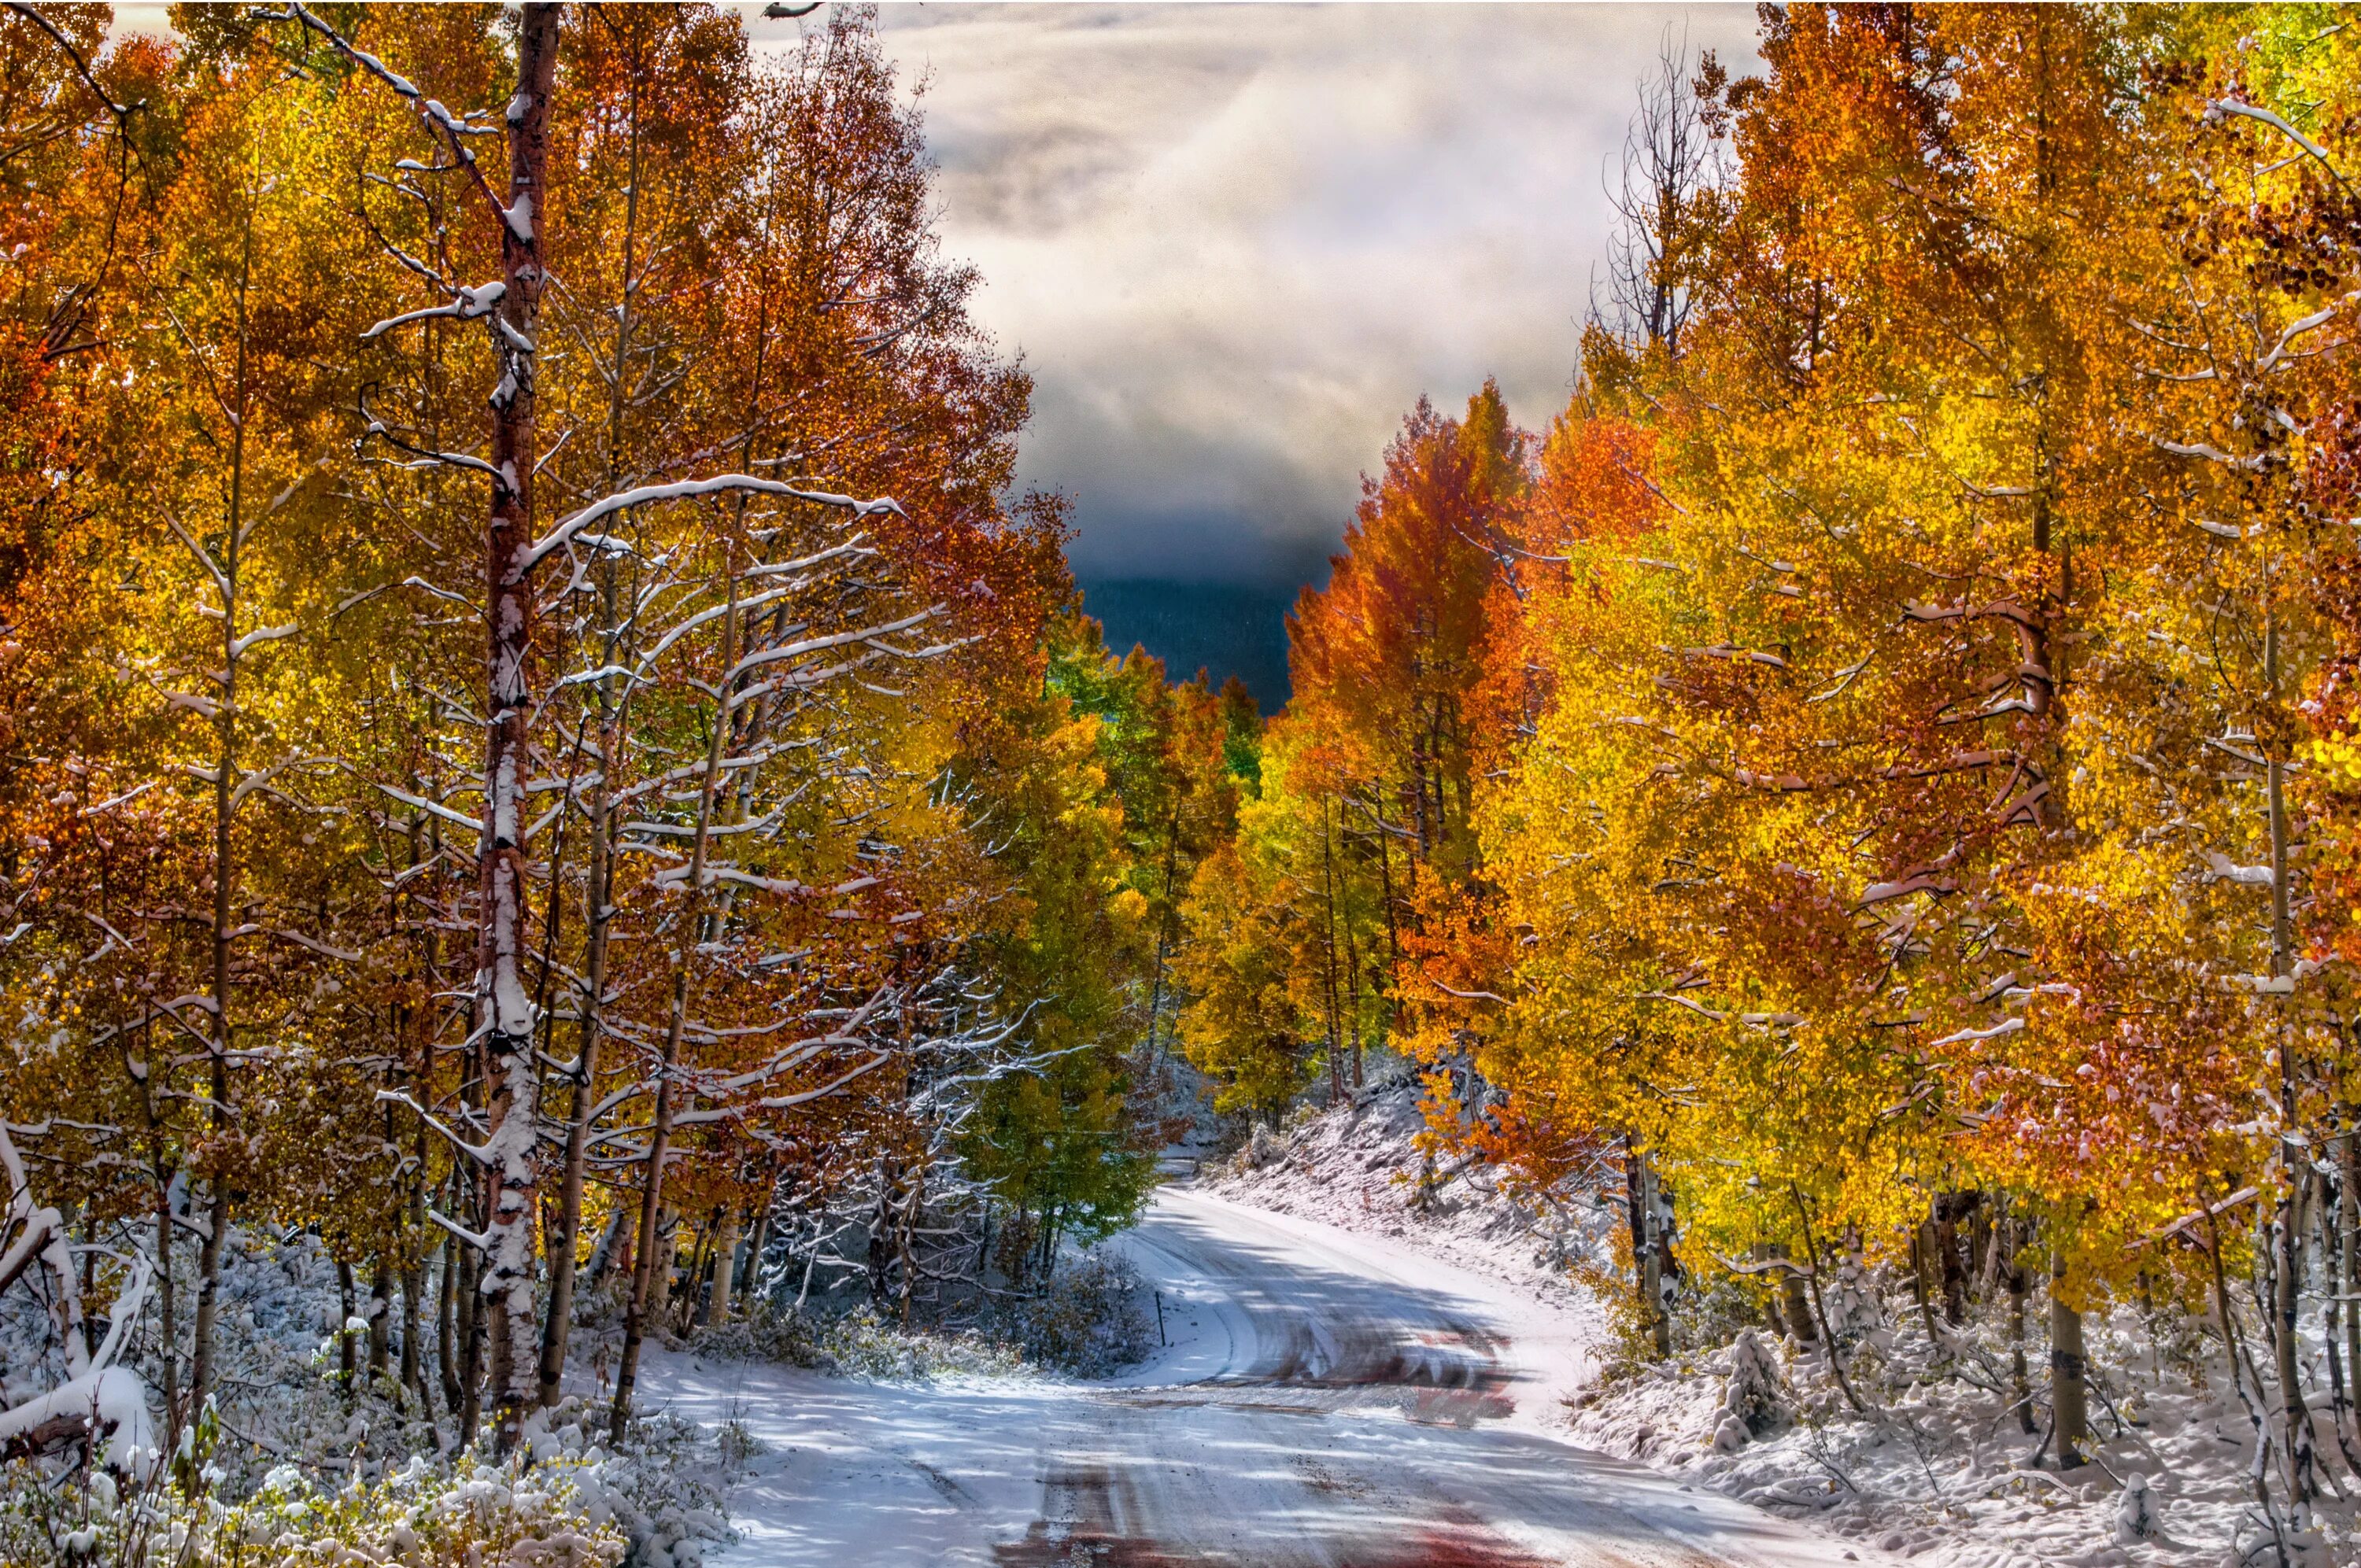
x=1236 y=243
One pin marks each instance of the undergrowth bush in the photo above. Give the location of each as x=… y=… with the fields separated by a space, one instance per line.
x=1088 y=1322
x=855 y=1345
x=472 y=1514
x=562 y=1500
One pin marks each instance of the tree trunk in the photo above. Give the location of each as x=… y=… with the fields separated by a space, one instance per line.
x=699 y=1271
x=650 y=1275
x=558 y=1324
x=2020 y=1378
x=1328 y=947
x=411 y=1373
x=446 y=1326
x=2068 y=1394
x=2348 y=1224
x=413 y=1283
x=610 y=1237
x=347 y=1304
x=380 y=1319
x=470 y=1290
x=162 y=1171
x=750 y=1282
x=168 y=1337
x=1950 y=1209
x=1647 y=1250
x=224 y=781
x=725 y=1268
x=2302 y=1464
x=1922 y=1263
x=668 y=1265
x=513 y=1142
x=1798 y=1302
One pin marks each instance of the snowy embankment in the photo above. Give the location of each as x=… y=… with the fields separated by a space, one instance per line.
x=1935 y=1469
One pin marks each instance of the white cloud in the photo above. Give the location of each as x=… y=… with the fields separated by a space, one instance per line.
x=1234 y=243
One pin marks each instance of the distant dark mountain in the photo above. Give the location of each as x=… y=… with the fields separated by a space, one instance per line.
x=1221 y=628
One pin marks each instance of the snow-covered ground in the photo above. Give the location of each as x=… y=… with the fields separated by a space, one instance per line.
x=1938 y=1472
x=1327 y=1399
x=1351 y=1379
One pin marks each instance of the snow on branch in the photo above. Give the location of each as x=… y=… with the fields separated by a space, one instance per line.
x=2221 y=868
x=2212 y=454
x=2004 y=609
x=470 y=304
x=2218 y=107
x=1971 y=1037
x=685 y=490
x=803 y=647
x=482 y=1153
x=2208 y=1211
x=1902 y=887
x=2312 y=322
x=433 y=810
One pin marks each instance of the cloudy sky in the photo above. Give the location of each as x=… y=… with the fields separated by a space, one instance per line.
x=1234 y=243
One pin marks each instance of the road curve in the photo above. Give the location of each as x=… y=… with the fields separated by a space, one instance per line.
x=1326 y=1402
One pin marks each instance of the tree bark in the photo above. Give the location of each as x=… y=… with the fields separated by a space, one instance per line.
x=2068 y=1391
x=2348 y=1226
x=345 y=1303
x=513 y=1143
x=2020 y=1377
x=380 y=1319
x=1328 y=946
x=749 y=1281
x=2302 y=1462
x=1647 y=1251
x=725 y=1268
x=447 y=1328
x=1797 y=1299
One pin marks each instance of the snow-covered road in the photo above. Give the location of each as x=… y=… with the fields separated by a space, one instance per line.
x=1327 y=1401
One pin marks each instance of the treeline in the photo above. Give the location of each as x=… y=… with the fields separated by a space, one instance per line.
x=536 y=747
x=1873 y=784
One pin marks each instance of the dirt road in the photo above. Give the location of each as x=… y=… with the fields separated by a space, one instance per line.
x=1327 y=1401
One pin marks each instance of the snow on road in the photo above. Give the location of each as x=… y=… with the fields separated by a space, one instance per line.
x=1327 y=1400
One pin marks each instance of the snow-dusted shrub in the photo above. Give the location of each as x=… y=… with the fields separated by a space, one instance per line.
x=663 y=1492
x=1713 y=1311
x=1754 y=1396
x=1263 y=1147
x=2135 y=1512
x=471 y=1515
x=1850 y=1298
x=855 y=1345
x=1088 y=1321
